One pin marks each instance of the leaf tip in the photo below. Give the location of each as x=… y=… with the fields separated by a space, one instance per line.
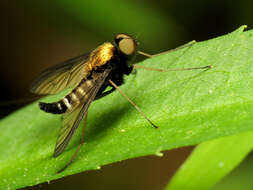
x=242 y=28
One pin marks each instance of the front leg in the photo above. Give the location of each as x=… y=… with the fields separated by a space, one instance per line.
x=128 y=70
x=103 y=94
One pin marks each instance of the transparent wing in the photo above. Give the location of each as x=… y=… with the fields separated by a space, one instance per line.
x=72 y=120
x=70 y=123
x=61 y=76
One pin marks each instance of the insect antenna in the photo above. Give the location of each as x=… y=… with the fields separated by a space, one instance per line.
x=78 y=148
x=131 y=102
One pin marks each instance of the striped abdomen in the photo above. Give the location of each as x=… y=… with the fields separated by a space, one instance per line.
x=70 y=101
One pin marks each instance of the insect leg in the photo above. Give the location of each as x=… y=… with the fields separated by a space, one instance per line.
x=105 y=93
x=171 y=50
x=136 y=107
x=167 y=70
x=79 y=146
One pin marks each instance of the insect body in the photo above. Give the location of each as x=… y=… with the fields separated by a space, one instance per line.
x=88 y=75
x=91 y=78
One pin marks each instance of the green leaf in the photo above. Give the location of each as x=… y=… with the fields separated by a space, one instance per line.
x=240 y=178
x=211 y=161
x=189 y=106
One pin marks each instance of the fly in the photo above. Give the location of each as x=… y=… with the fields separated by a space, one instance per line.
x=88 y=75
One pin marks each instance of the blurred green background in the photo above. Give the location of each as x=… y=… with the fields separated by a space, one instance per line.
x=38 y=34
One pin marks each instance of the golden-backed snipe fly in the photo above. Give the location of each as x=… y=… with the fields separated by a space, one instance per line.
x=88 y=75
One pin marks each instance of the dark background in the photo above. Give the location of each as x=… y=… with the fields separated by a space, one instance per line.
x=37 y=34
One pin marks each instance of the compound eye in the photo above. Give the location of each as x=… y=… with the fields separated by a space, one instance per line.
x=126 y=44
